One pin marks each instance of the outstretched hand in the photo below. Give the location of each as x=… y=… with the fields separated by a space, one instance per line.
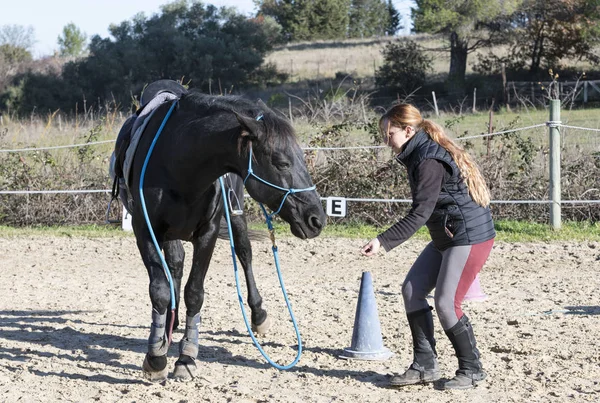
x=371 y=248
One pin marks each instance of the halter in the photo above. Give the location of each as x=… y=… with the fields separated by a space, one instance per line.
x=287 y=191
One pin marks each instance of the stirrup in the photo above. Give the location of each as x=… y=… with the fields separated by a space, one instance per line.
x=114 y=195
x=234 y=211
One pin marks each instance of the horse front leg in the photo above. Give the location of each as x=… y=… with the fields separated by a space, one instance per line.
x=204 y=244
x=155 y=362
x=243 y=249
x=174 y=256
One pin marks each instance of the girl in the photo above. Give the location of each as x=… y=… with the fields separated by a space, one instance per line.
x=450 y=197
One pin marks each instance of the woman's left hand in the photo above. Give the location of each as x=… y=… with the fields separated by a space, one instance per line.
x=371 y=248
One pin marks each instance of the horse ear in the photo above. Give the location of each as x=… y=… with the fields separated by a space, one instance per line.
x=250 y=126
x=262 y=104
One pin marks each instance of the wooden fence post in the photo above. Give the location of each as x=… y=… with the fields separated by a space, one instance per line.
x=532 y=92
x=437 y=112
x=554 y=141
x=504 y=99
x=490 y=128
x=474 y=99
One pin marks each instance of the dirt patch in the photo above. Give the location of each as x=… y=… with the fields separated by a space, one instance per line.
x=75 y=320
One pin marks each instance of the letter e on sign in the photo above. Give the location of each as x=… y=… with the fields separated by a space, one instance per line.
x=336 y=207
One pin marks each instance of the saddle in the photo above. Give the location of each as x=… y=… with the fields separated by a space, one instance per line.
x=154 y=95
x=152 y=91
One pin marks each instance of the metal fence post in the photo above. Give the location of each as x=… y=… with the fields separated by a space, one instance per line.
x=554 y=140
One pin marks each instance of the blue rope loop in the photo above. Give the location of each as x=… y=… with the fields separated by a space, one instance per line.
x=239 y=292
x=145 y=211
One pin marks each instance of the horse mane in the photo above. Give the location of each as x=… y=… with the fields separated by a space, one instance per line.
x=279 y=131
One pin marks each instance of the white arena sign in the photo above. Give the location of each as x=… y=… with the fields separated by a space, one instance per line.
x=336 y=206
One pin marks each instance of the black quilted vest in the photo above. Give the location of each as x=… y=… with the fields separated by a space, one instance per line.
x=456 y=219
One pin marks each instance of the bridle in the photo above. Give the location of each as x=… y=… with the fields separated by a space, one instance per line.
x=286 y=190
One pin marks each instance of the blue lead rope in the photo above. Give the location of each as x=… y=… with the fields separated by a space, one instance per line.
x=143 y=203
x=268 y=218
x=239 y=292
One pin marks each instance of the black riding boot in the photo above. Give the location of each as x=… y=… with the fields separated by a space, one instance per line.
x=424 y=367
x=470 y=371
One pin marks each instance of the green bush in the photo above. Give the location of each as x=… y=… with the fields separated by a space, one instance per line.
x=405 y=66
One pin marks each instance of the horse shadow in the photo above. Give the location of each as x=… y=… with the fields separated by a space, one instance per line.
x=40 y=329
x=377 y=379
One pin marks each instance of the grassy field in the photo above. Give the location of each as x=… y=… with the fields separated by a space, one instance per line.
x=41 y=131
x=357 y=57
x=86 y=167
x=361 y=57
x=508 y=231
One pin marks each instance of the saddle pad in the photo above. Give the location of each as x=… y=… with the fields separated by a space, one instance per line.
x=139 y=126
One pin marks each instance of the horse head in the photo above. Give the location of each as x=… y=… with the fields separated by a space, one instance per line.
x=275 y=172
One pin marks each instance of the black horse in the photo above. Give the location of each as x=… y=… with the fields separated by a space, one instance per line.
x=204 y=138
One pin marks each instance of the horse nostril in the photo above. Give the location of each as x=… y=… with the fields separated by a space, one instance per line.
x=315 y=222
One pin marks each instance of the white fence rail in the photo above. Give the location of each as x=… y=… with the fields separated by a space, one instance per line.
x=554 y=124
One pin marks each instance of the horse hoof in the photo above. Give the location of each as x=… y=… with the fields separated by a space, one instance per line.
x=152 y=373
x=185 y=368
x=263 y=327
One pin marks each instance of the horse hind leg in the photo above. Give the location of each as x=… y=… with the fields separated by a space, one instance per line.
x=261 y=321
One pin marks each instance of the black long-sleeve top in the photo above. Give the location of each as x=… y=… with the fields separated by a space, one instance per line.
x=430 y=176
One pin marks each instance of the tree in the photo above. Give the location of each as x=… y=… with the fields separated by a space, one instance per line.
x=464 y=24
x=393 y=23
x=287 y=13
x=308 y=19
x=368 y=18
x=542 y=33
x=72 y=41
x=328 y=19
x=549 y=30
x=212 y=48
x=405 y=66
x=17 y=36
x=15 y=44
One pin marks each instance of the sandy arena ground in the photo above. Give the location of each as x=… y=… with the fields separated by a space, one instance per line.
x=75 y=316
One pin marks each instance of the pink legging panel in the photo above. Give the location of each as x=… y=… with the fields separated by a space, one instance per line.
x=451 y=272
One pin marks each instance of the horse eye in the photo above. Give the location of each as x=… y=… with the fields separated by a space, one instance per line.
x=282 y=165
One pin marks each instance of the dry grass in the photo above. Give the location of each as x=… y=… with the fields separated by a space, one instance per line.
x=361 y=57
x=55 y=129
x=357 y=57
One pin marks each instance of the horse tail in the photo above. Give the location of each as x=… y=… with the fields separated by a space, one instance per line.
x=253 y=235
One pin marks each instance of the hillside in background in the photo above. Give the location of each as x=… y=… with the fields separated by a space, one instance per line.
x=330 y=66
x=356 y=57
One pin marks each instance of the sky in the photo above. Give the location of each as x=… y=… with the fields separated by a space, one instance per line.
x=93 y=17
